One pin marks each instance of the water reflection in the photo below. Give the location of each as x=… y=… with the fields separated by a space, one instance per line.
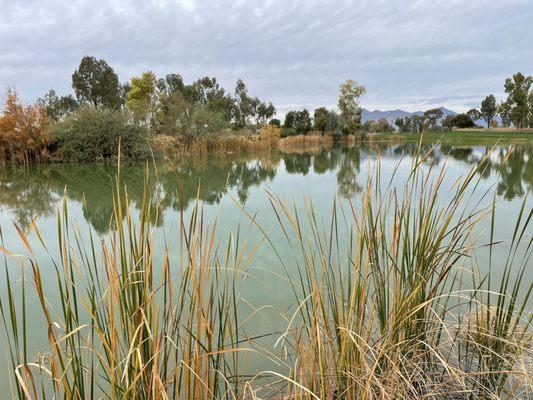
x=33 y=192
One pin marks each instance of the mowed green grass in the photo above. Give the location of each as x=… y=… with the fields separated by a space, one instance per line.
x=465 y=136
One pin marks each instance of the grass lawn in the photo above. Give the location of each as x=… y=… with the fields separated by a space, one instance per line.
x=465 y=136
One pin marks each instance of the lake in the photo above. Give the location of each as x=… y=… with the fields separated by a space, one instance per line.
x=225 y=185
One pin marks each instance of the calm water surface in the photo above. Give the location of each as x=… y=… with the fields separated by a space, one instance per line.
x=34 y=193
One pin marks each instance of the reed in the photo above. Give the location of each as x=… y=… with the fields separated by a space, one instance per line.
x=388 y=302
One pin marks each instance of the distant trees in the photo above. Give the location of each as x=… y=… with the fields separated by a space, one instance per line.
x=432 y=116
x=489 y=109
x=95 y=83
x=350 y=110
x=413 y=123
x=382 y=125
x=474 y=114
x=321 y=119
x=297 y=123
x=57 y=107
x=518 y=89
x=24 y=131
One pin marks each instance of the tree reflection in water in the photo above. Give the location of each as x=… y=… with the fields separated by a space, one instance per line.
x=33 y=192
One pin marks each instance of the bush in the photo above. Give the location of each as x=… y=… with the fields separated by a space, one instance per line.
x=24 y=134
x=92 y=134
x=285 y=132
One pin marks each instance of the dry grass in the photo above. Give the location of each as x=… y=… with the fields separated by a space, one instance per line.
x=386 y=305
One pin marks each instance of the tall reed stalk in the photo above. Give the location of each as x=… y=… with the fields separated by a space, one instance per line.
x=388 y=302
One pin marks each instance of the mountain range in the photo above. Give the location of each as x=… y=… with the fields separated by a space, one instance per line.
x=391 y=115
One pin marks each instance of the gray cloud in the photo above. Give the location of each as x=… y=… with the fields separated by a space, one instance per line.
x=409 y=54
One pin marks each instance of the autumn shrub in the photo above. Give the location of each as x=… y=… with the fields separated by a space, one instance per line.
x=24 y=132
x=93 y=134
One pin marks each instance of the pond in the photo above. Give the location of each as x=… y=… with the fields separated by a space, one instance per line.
x=225 y=185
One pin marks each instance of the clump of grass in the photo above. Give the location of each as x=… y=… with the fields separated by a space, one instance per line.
x=380 y=303
x=386 y=305
x=126 y=328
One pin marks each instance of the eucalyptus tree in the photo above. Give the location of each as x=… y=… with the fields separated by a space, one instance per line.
x=489 y=109
x=350 y=110
x=95 y=83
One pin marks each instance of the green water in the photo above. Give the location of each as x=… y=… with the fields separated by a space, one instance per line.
x=223 y=183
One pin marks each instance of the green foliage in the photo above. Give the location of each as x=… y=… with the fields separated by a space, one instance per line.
x=285 y=132
x=350 y=110
x=275 y=122
x=414 y=123
x=91 y=134
x=95 y=83
x=321 y=119
x=299 y=121
x=431 y=118
x=141 y=97
x=474 y=114
x=462 y=121
x=57 y=107
x=504 y=111
x=489 y=109
x=518 y=90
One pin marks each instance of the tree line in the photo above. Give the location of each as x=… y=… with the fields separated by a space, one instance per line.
x=104 y=113
x=516 y=110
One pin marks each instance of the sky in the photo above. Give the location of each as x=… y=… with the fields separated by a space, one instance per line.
x=411 y=55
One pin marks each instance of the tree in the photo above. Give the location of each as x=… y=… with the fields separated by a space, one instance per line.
x=504 y=110
x=242 y=107
x=350 y=110
x=299 y=121
x=172 y=83
x=265 y=112
x=517 y=89
x=96 y=83
x=383 y=126
x=275 y=122
x=57 y=107
x=432 y=117
x=141 y=97
x=94 y=134
x=24 y=133
x=448 y=123
x=463 y=121
x=321 y=119
x=474 y=114
x=333 y=121
x=489 y=109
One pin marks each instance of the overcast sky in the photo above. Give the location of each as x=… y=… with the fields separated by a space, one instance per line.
x=409 y=54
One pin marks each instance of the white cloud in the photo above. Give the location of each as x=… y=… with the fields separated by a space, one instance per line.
x=408 y=53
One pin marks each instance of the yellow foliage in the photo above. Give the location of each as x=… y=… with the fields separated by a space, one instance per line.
x=24 y=134
x=270 y=132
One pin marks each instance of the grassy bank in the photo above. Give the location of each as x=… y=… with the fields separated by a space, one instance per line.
x=387 y=303
x=464 y=136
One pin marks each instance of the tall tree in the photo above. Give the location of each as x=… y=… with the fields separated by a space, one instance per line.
x=141 y=98
x=350 y=110
x=321 y=119
x=517 y=89
x=489 y=109
x=242 y=107
x=96 y=83
x=432 y=117
x=504 y=111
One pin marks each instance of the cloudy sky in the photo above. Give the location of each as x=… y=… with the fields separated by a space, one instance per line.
x=409 y=54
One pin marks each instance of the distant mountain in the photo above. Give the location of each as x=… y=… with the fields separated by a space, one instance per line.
x=391 y=115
